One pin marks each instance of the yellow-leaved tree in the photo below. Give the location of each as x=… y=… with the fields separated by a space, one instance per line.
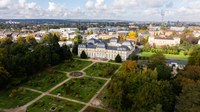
x=132 y=36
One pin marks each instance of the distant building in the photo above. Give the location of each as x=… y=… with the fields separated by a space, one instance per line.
x=107 y=49
x=122 y=33
x=164 y=41
x=94 y=36
x=68 y=43
x=156 y=32
x=2 y=35
x=196 y=33
x=68 y=33
x=104 y=36
x=155 y=28
x=199 y=42
x=94 y=30
x=177 y=28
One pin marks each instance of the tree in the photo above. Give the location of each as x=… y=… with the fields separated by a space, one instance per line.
x=139 y=91
x=21 y=40
x=188 y=101
x=4 y=76
x=5 y=41
x=191 y=72
x=118 y=59
x=84 y=55
x=164 y=72
x=157 y=59
x=194 y=58
x=31 y=40
x=78 y=39
x=51 y=38
x=66 y=53
x=133 y=36
x=129 y=66
x=75 y=49
x=133 y=56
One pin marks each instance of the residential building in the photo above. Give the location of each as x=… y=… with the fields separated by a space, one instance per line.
x=107 y=49
x=68 y=43
x=68 y=33
x=177 y=28
x=122 y=33
x=196 y=33
x=164 y=41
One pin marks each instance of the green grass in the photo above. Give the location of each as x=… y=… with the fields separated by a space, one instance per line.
x=80 y=89
x=45 y=80
x=75 y=65
x=181 y=56
x=92 y=109
x=102 y=70
x=46 y=103
x=16 y=97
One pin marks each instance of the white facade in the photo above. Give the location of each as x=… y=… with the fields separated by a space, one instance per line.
x=94 y=36
x=164 y=41
x=68 y=33
x=196 y=34
x=199 y=42
x=105 y=51
x=68 y=43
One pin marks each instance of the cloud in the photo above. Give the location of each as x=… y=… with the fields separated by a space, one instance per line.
x=89 y=4
x=22 y=3
x=103 y=9
x=4 y=3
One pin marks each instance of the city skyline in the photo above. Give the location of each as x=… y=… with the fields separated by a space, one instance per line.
x=135 y=10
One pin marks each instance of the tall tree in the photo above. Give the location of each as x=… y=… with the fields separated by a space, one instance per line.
x=75 y=49
x=83 y=55
x=66 y=53
x=118 y=59
x=78 y=39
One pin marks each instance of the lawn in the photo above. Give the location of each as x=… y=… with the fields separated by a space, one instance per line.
x=16 y=97
x=45 y=80
x=82 y=89
x=181 y=56
x=102 y=70
x=75 y=65
x=92 y=109
x=48 y=104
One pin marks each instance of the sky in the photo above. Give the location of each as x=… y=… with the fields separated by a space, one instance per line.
x=134 y=10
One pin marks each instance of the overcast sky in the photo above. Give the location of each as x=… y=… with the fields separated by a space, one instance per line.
x=136 y=10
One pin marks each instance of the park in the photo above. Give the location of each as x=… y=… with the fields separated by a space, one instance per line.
x=71 y=86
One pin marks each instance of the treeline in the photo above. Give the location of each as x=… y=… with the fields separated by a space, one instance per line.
x=154 y=88
x=164 y=51
x=24 y=57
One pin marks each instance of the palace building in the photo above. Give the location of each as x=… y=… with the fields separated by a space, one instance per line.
x=97 y=48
